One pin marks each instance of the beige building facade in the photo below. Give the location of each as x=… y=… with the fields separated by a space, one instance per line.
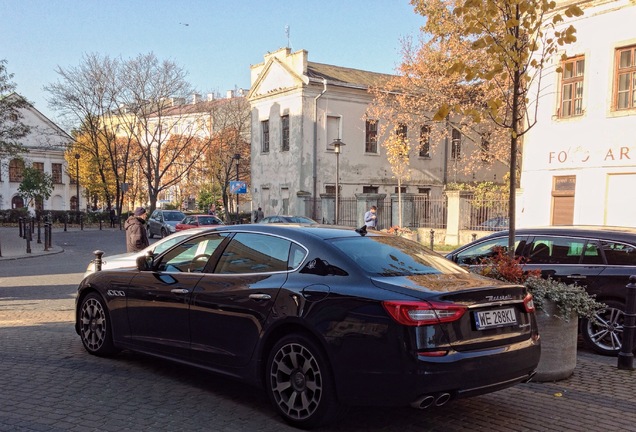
x=579 y=161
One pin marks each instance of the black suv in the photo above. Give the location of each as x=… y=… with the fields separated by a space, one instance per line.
x=601 y=259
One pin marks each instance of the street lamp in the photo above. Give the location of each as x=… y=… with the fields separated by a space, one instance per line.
x=237 y=156
x=77 y=158
x=337 y=144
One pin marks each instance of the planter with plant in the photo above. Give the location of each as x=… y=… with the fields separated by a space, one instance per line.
x=558 y=306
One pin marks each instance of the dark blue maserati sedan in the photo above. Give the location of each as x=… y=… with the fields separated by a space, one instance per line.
x=320 y=317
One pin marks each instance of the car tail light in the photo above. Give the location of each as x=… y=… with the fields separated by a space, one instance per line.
x=414 y=313
x=528 y=303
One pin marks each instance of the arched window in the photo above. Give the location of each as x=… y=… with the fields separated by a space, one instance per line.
x=16 y=168
x=17 y=202
x=73 y=203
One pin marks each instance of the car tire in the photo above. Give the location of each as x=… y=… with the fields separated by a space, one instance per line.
x=299 y=383
x=604 y=333
x=163 y=233
x=95 y=327
x=150 y=234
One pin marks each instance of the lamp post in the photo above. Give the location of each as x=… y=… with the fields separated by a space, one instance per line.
x=237 y=156
x=337 y=144
x=77 y=158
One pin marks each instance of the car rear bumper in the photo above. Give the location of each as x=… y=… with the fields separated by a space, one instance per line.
x=456 y=375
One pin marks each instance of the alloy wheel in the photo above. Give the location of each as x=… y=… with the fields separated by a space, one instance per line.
x=296 y=381
x=93 y=324
x=604 y=331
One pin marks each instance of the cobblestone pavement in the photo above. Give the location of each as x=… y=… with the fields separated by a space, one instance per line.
x=49 y=383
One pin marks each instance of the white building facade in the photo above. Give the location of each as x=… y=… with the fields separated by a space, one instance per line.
x=46 y=143
x=579 y=161
x=299 y=109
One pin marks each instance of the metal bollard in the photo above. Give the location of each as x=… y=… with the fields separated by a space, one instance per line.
x=432 y=238
x=98 y=260
x=474 y=236
x=46 y=236
x=39 y=231
x=65 y=222
x=81 y=222
x=20 y=226
x=626 y=354
x=100 y=224
x=28 y=240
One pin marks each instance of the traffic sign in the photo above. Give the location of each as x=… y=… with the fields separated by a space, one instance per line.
x=238 y=187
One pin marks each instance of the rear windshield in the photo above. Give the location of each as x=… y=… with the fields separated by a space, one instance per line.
x=173 y=216
x=394 y=256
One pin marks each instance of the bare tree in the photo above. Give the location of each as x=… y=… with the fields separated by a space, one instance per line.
x=230 y=137
x=87 y=97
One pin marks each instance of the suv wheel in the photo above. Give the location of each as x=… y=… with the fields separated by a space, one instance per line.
x=604 y=332
x=150 y=234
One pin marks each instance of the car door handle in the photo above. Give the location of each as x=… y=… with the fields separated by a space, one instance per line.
x=179 y=291
x=260 y=296
x=577 y=276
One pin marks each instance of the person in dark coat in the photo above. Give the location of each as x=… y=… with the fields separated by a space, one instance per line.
x=136 y=234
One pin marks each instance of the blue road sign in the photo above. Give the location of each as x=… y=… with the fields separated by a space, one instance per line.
x=238 y=187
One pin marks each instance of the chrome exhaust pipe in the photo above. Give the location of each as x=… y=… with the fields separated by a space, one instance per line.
x=442 y=399
x=423 y=402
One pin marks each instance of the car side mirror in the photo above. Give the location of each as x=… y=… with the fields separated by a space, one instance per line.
x=144 y=262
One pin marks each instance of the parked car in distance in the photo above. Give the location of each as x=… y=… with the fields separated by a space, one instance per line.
x=287 y=219
x=494 y=224
x=193 y=221
x=599 y=258
x=129 y=259
x=320 y=317
x=163 y=222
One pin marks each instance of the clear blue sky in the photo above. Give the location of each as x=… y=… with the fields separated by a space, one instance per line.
x=216 y=41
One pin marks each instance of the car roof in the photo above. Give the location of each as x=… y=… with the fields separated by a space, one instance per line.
x=595 y=231
x=314 y=230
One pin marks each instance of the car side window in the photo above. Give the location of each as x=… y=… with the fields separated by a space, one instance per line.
x=592 y=254
x=556 y=250
x=254 y=253
x=488 y=249
x=619 y=253
x=190 y=256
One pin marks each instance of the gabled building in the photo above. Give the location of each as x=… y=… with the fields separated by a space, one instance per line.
x=301 y=108
x=579 y=161
x=46 y=143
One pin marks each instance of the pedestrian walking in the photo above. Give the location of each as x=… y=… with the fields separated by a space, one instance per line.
x=112 y=217
x=136 y=234
x=258 y=215
x=371 y=218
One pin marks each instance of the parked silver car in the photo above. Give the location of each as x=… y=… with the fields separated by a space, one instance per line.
x=163 y=222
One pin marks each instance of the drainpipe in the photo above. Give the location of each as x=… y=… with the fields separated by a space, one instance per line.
x=315 y=168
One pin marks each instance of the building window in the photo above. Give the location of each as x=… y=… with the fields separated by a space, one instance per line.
x=330 y=189
x=572 y=87
x=371 y=136
x=456 y=144
x=402 y=189
x=284 y=122
x=73 y=203
x=401 y=131
x=265 y=135
x=16 y=169
x=625 y=84
x=484 y=148
x=425 y=141
x=56 y=173
x=333 y=131
x=38 y=166
x=424 y=190
x=370 y=189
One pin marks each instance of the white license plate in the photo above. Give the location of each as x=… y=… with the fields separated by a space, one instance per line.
x=495 y=318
